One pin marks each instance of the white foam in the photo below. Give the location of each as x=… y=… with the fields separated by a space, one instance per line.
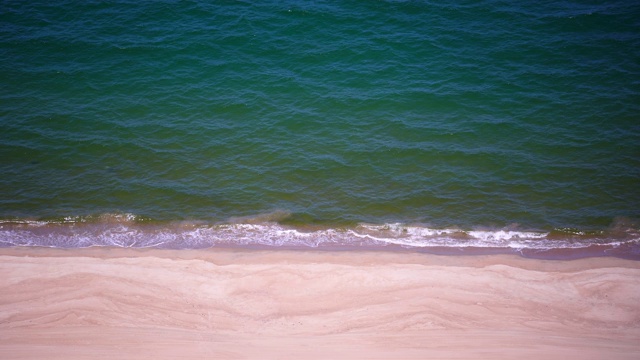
x=122 y=231
x=502 y=235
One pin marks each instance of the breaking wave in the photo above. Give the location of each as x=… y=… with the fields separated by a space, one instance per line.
x=132 y=231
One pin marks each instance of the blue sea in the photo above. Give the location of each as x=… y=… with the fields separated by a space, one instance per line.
x=445 y=127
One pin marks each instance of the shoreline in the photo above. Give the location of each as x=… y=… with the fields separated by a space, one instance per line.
x=227 y=254
x=552 y=254
x=128 y=231
x=97 y=303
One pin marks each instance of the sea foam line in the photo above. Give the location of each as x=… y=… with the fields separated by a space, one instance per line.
x=126 y=233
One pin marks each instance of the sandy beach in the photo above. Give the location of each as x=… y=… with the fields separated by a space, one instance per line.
x=105 y=303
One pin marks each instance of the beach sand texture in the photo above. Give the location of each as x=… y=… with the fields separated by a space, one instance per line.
x=240 y=304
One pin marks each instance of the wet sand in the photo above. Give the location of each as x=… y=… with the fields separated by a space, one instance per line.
x=238 y=304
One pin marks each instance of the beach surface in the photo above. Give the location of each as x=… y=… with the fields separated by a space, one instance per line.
x=105 y=303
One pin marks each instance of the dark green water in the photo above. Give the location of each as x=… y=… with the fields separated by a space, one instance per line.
x=509 y=118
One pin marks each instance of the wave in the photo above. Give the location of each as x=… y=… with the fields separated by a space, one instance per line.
x=133 y=231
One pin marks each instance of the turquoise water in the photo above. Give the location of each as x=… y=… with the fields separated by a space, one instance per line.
x=465 y=123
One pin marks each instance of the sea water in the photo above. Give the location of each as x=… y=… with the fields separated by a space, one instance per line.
x=410 y=124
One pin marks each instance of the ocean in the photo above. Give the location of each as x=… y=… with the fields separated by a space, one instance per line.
x=445 y=127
